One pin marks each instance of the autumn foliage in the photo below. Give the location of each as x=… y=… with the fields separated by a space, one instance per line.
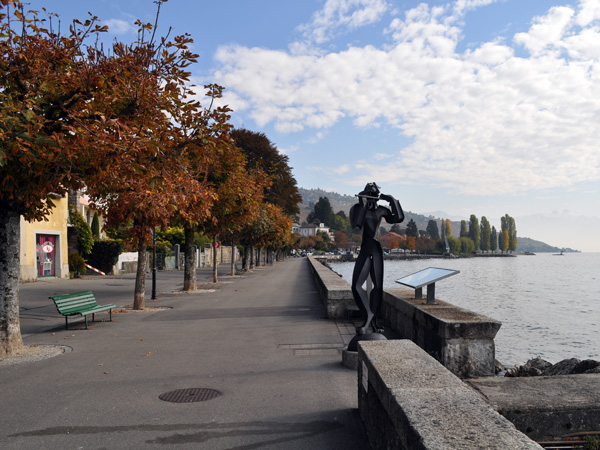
x=122 y=123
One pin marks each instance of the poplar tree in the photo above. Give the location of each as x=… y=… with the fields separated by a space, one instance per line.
x=486 y=235
x=448 y=228
x=493 y=239
x=512 y=234
x=474 y=231
x=464 y=230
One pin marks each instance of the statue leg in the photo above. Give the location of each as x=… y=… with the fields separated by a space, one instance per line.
x=362 y=268
x=377 y=292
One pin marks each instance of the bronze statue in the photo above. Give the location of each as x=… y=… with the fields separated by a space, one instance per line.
x=367 y=215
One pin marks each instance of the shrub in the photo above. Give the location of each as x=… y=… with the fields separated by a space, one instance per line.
x=76 y=263
x=85 y=241
x=105 y=254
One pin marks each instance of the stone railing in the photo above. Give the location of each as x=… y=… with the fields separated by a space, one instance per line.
x=334 y=291
x=407 y=400
x=461 y=340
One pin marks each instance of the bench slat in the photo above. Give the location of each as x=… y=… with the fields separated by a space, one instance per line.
x=73 y=295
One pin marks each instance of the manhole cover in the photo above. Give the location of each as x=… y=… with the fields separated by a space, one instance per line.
x=190 y=395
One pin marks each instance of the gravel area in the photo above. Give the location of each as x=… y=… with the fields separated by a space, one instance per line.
x=35 y=353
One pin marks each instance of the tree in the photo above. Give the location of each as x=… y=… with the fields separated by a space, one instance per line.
x=396 y=228
x=486 y=235
x=508 y=234
x=262 y=154
x=448 y=228
x=411 y=243
x=411 y=229
x=340 y=238
x=493 y=239
x=512 y=235
x=464 y=230
x=152 y=136
x=432 y=229
x=341 y=223
x=95 y=226
x=467 y=246
x=474 y=231
x=322 y=213
x=424 y=244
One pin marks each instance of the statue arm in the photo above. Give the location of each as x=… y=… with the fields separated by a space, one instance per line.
x=396 y=214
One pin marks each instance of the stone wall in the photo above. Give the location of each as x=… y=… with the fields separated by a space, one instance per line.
x=335 y=292
x=408 y=401
x=463 y=341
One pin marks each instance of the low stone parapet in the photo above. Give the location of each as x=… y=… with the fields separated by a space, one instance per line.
x=335 y=292
x=463 y=341
x=408 y=401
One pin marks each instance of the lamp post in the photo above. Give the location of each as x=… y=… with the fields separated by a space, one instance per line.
x=153 y=263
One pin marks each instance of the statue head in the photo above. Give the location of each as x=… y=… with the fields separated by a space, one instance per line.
x=372 y=190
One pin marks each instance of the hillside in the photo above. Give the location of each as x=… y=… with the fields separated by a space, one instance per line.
x=531 y=245
x=344 y=203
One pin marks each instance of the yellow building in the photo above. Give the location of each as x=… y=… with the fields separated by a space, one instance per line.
x=44 y=246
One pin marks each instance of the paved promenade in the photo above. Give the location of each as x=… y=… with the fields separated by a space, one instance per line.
x=260 y=339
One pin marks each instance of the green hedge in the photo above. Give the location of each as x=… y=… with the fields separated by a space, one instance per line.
x=105 y=254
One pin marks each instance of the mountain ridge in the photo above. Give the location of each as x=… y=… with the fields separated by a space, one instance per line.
x=342 y=202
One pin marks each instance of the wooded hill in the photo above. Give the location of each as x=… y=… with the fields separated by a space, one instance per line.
x=341 y=202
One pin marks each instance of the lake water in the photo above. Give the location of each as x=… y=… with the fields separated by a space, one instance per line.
x=549 y=305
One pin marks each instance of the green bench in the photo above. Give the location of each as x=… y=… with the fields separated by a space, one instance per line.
x=80 y=303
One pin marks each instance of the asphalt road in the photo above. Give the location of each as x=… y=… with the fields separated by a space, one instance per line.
x=260 y=340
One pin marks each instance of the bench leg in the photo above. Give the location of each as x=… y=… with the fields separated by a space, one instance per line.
x=110 y=314
x=66 y=323
x=85 y=317
x=93 y=317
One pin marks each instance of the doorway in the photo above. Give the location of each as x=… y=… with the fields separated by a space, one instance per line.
x=46 y=254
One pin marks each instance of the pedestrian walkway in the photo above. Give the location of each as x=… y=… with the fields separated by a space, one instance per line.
x=259 y=343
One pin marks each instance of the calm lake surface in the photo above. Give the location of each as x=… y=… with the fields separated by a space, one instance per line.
x=549 y=305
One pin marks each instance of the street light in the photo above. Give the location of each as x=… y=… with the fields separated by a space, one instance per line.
x=153 y=263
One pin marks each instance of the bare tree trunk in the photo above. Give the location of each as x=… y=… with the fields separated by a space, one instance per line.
x=232 y=258
x=252 y=260
x=190 y=282
x=139 y=296
x=245 y=261
x=11 y=342
x=215 y=263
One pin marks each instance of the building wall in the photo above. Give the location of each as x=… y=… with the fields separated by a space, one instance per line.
x=56 y=227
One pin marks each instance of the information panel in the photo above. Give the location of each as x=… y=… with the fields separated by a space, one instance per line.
x=426 y=276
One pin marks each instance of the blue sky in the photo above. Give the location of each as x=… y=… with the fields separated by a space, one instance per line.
x=481 y=107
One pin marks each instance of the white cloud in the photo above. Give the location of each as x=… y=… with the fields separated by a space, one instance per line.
x=337 y=15
x=118 y=26
x=344 y=168
x=589 y=10
x=547 y=31
x=484 y=121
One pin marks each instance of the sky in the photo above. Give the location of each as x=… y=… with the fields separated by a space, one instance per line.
x=485 y=107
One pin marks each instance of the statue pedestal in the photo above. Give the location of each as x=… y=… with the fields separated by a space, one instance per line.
x=350 y=355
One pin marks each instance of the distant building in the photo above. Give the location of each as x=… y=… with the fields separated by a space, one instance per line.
x=46 y=244
x=311 y=229
x=44 y=249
